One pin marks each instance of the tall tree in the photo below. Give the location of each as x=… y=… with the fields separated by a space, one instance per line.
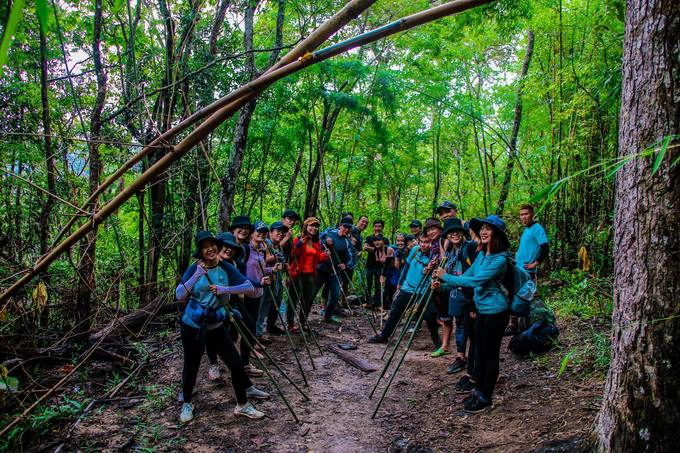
x=86 y=275
x=512 y=151
x=641 y=407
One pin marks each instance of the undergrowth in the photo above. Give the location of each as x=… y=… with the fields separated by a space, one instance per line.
x=585 y=301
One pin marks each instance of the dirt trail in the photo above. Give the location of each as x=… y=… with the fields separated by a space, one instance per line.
x=532 y=407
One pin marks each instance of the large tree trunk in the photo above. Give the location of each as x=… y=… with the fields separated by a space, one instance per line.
x=512 y=151
x=86 y=280
x=641 y=407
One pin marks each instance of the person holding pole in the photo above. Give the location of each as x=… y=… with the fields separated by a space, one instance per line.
x=268 y=313
x=412 y=284
x=305 y=258
x=332 y=272
x=202 y=323
x=492 y=304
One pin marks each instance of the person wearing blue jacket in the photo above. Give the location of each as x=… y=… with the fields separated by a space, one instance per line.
x=484 y=276
x=332 y=273
x=412 y=283
x=203 y=323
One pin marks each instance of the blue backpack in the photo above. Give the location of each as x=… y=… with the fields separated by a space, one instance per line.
x=540 y=337
x=519 y=288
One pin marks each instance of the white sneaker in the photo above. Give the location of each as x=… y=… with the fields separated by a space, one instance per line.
x=252 y=371
x=248 y=410
x=213 y=372
x=187 y=413
x=256 y=393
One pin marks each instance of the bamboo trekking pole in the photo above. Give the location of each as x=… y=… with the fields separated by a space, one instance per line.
x=296 y=315
x=237 y=98
x=290 y=339
x=403 y=356
x=299 y=320
x=342 y=291
x=404 y=329
x=223 y=300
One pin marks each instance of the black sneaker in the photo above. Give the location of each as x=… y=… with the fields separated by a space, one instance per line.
x=471 y=397
x=457 y=366
x=377 y=339
x=465 y=385
x=476 y=406
x=275 y=330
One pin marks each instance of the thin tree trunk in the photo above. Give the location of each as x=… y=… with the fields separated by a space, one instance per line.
x=641 y=407
x=86 y=263
x=48 y=204
x=293 y=178
x=512 y=152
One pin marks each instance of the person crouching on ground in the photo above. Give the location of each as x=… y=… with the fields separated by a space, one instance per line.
x=492 y=305
x=203 y=323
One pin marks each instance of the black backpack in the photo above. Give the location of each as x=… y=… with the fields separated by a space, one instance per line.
x=540 y=337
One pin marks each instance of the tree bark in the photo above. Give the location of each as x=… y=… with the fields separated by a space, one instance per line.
x=86 y=276
x=48 y=204
x=641 y=407
x=512 y=151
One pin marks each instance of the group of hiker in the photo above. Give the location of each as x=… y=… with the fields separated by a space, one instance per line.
x=447 y=272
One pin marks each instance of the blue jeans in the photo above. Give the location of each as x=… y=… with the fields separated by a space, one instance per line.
x=331 y=286
x=461 y=334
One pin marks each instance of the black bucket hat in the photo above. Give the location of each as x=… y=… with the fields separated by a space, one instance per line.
x=292 y=214
x=200 y=237
x=451 y=225
x=346 y=222
x=228 y=239
x=415 y=223
x=241 y=221
x=496 y=223
x=446 y=205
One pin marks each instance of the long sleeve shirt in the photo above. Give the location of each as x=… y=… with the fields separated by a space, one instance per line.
x=412 y=275
x=484 y=276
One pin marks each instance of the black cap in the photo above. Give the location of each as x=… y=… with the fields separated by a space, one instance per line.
x=261 y=227
x=451 y=225
x=446 y=205
x=415 y=223
x=292 y=214
x=242 y=221
x=346 y=221
x=278 y=225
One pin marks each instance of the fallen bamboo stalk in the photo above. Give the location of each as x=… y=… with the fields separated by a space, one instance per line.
x=357 y=362
x=240 y=97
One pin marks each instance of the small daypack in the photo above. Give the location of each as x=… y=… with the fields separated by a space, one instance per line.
x=538 y=338
x=519 y=288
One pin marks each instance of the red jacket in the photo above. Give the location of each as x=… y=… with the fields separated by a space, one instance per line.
x=304 y=258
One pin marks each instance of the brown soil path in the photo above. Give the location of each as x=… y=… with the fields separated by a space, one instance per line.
x=532 y=407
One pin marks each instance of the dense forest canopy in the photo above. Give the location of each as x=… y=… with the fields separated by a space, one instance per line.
x=386 y=130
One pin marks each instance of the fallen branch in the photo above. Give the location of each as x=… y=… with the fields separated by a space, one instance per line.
x=363 y=365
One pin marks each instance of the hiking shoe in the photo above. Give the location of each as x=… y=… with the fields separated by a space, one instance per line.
x=252 y=371
x=187 y=413
x=333 y=320
x=411 y=328
x=476 y=405
x=465 y=385
x=377 y=339
x=248 y=410
x=457 y=366
x=275 y=330
x=213 y=373
x=471 y=397
x=256 y=393
x=510 y=330
x=265 y=339
x=440 y=353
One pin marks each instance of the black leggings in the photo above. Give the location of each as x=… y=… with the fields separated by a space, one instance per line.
x=489 y=331
x=301 y=292
x=249 y=311
x=221 y=343
x=469 y=322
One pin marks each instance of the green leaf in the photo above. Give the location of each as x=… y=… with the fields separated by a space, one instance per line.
x=662 y=152
x=117 y=6
x=8 y=35
x=618 y=167
x=41 y=10
x=565 y=361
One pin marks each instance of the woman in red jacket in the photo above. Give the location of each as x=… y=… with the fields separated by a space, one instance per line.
x=305 y=257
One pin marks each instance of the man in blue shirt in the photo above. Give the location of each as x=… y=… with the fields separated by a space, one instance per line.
x=533 y=245
x=532 y=251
